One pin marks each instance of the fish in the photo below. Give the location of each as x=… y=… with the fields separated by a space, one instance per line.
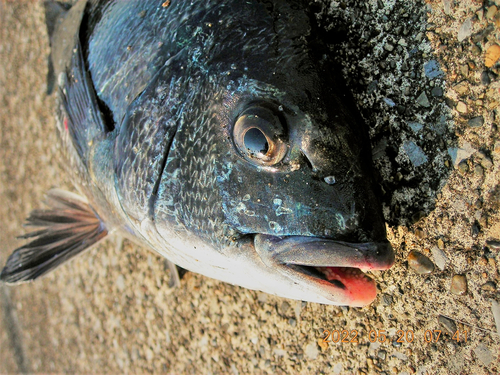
x=219 y=134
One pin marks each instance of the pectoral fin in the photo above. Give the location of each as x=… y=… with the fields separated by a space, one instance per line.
x=67 y=228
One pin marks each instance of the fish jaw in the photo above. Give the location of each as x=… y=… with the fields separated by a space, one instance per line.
x=326 y=269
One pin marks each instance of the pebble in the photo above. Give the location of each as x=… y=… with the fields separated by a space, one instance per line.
x=478 y=171
x=459 y=154
x=423 y=100
x=485 y=78
x=493 y=245
x=311 y=351
x=419 y=263
x=476 y=50
x=415 y=153
x=388 y=47
x=492 y=10
x=447 y=6
x=484 y=354
x=463 y=167
x=419 y=233
x=464 y=70
x=448 y=324
x=437 y=92
x=489 y=286
x=387 y=299
x=415 y=126
x=432 y=69
x=465 y=30
x=462 y=87
x=492 y=55
x=322 y=344
x=462 y=107
x=486 y=163
x=389 y=102
x=440 y=257
x=476 y=122
x=284 y=308
x=458 y=285
x=440 y=244
x=495 y=309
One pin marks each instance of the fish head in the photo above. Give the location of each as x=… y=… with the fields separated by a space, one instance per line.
x=246 y=160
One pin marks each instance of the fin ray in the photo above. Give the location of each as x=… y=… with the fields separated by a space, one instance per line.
x=69 y=227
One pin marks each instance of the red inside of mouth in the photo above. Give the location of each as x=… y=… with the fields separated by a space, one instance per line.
x=357 y=285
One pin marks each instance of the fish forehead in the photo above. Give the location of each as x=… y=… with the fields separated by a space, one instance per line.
x=220 y=31
x=195 y=80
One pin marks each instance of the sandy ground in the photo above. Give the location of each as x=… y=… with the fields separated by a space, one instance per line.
x=111 y=311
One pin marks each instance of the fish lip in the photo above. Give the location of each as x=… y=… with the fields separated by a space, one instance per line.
x=324 y=252
x=326 y=270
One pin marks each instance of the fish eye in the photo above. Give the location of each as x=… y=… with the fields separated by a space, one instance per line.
x=259 y=136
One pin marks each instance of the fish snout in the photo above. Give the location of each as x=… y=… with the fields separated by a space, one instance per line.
x=333 y=269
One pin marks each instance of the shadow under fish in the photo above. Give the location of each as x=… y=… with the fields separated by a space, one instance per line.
x=220 y=135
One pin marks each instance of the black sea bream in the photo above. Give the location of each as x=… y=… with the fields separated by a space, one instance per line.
x=220 y=135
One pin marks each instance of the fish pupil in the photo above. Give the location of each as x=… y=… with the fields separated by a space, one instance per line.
x=256 y=142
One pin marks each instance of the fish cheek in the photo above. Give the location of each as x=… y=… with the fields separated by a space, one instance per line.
x=256 y=200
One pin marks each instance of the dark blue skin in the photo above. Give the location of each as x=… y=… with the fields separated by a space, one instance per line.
x=220 y=134
x=212 y=58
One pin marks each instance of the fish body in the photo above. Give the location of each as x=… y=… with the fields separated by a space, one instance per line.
x=220 y=135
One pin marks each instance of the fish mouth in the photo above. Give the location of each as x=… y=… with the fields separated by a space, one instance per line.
x=330 y=268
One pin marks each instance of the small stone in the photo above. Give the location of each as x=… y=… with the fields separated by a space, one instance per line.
x=475 y=229
x=464 y=70
x=322 y=344
x=463 y=167
x=419 y=263
x=440 y=244
x=447 y=6
x=493 y=245
x=480 y=14
x=476 y=50
x=486 y=163
x=120 y=283
x=462 y=107
x=423 y=100
x=284 y=308
x=437 y=92
x=495 y=308
x=387 y=299
x=479 y=171
x=485 y=78
x=448 y=324
x=415 y=126
x=465 y=30
x=492 y=55
x=459 y=154
x=462 y=88
x=458 y=285
x=311 y=351
x=432 y=69
x=440 y=257
x=476 y=122
x=419 y=233
x=492 y=10
x=388 y=47
x=489 y=286
x=484 y=354
x=415 y=153
x=389 y=102
x=382 y=354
